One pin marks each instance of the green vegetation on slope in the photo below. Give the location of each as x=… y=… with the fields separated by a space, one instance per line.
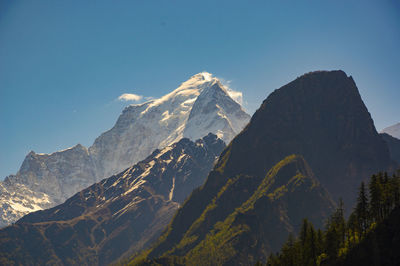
x=258 y=225
x=319 y=115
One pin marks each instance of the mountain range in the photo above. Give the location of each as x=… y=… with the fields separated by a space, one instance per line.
x=235 y=216
x=119 y=215
x=197 y=107
x=309 y=144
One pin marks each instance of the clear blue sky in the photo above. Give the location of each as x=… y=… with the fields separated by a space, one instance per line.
x=64 y=63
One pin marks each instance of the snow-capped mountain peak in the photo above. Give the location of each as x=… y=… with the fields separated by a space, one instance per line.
x=187 y=91
x=199 y=106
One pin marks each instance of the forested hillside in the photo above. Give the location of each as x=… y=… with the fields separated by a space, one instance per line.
x=370 y=236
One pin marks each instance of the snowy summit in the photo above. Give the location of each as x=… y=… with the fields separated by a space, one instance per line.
x=199 y=106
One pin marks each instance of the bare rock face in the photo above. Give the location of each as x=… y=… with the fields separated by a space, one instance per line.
x=45 y=180
x=197 y=107
x=321 y=117
x=73 y=168
x=115 y=217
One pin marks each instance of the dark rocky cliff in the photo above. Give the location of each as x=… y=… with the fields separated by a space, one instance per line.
x=320 y=116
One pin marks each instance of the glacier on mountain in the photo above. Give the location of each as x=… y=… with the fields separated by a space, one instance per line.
x=197 y=107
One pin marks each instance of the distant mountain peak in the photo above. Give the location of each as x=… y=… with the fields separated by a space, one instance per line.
x=203 y=76
x=241 y=213
x=119 y=215
x=198 y=80
x=393 y=130
x=200 y=105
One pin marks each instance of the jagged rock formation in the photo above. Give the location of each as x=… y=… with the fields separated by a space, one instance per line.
x=45 y=180
x=393 y=131
x=197 y=107
x=119 y=215
x=320 y=116
x=394 y=146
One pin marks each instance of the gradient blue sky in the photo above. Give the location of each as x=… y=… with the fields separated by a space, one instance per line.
x=64 y=63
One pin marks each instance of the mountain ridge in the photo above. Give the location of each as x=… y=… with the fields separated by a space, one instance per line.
x=140 y=129
x=119 y=215
x=319 y=116
x=257 y=225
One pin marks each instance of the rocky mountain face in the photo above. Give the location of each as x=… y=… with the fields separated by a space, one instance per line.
x=45 y=180
x=320 y=116
x=394 y=146
x=197 y=107
x=393 y=131
x=248 y=232
x=119 y=215
x=17 y=200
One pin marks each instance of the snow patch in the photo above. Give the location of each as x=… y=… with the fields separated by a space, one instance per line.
x=171 y=192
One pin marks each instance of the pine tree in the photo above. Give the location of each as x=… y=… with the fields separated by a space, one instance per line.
x=331 y=246
x=335 y=232
x=376 y=198
x=320 y=242
x=340 y=221
x=289 y=252
x=353 y=230
x=303 y=232
x=332 y=243
x=303 y=241
x=361 y=210
x=396 y=189
x=313 y=245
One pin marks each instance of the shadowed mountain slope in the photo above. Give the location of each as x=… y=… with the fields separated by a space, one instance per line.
x=287 y=193
x=117 y=216
x=320 y=116
x=394 y=146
